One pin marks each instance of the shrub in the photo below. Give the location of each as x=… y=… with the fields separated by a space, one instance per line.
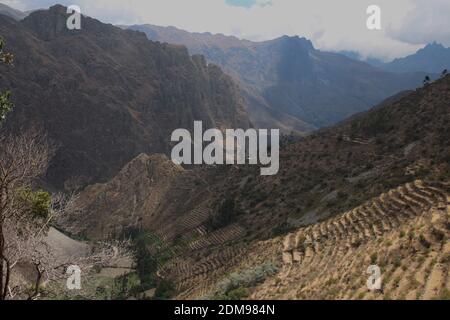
x=37 y=203
x=282 y=229
x=424 y=241
x=373 y=258
x=236 y=282
x=235 y=294
x=165 y=290
x=226 y=215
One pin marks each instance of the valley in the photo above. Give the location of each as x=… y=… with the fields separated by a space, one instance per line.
x=287 y=83
x=228 y=221
x=104 y=163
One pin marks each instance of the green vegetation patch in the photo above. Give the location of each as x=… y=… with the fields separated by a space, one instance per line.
x=235 y=287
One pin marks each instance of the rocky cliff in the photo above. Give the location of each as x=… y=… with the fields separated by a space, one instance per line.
x=105 y=95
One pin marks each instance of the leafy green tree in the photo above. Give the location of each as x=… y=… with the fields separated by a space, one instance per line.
x=5 y=103
x=36 y=204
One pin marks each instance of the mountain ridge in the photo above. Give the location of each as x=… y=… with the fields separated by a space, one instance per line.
x=12 y=13
x=127 y=93
x=433 y=59
x=326 y=88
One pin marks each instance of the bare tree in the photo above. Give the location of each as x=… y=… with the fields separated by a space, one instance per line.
x=26 y=214
x=23 y=159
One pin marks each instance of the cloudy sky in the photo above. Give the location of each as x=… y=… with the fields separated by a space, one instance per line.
x=407 y=25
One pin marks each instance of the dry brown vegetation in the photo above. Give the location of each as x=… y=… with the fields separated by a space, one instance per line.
x=365 y=179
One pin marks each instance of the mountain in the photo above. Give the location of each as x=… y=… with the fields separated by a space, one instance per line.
x=371 y=190
x=374 y=189
x=104 y=95
x=287 y=79
x=433 y=58
x=12 y=13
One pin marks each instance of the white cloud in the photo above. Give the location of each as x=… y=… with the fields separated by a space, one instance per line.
x=426 y=22
x=332 y=25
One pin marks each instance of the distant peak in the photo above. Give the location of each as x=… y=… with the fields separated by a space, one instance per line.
x=434 y=46
x=57 y=7
x=298 y=40
x=48 y=23
x=53 y=11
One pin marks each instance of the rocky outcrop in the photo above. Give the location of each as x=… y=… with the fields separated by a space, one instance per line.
x=132 y=197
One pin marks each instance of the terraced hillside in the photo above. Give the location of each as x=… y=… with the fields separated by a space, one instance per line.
x=372 y=188
x=404 y=231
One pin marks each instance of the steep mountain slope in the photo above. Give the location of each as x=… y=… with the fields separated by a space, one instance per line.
x=404 y=232
x=381 y=201
x=348 y=191
x=105 y=95
x=289 y=78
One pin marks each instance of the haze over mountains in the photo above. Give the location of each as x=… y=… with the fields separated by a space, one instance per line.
x=433 y=58
x=288 y=84
x=13 y=13
x=287 y=79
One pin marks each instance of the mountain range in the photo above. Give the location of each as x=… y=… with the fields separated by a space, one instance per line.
x=372 y=189
x=433 y=59
x=12 y=13
x=288 y=83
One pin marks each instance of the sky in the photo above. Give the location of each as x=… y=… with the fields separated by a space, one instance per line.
x=406 y=25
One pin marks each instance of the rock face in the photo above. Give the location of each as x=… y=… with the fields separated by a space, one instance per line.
x=105 y=95
x=288 y=83
x=134 y=193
